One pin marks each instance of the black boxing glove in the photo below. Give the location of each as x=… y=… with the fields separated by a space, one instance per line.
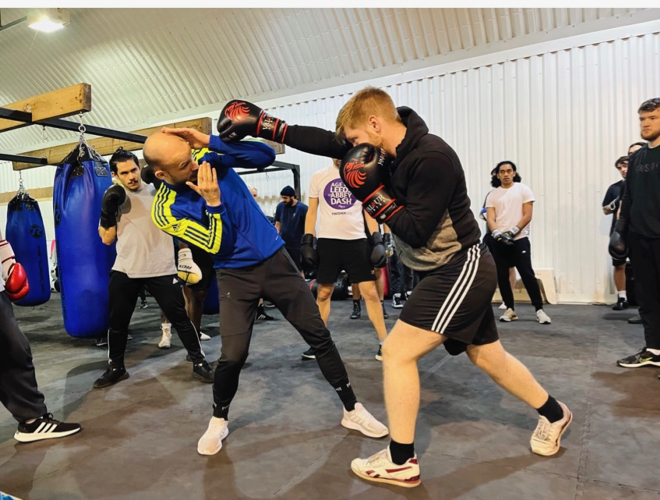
x=113 y=197
x=618 y=247
x=241 y=118
x=310 y=256
x=362 y=170
x=378 y=254
x=149 y=176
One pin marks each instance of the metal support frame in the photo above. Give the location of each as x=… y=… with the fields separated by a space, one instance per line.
x=24 y=159
x=279 y=166
x=22 y=116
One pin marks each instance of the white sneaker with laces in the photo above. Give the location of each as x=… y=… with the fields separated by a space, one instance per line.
x=361 y=420
x=380 y=468
x=546 y=439
x=203 y=336
x=166 y=340
x=211 y=442
x=542 y=317
x=502 y=306
x=509 y=315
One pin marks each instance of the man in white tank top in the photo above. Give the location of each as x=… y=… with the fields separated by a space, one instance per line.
x=145 y=257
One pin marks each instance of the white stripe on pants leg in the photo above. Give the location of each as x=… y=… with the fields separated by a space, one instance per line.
x=458 y=291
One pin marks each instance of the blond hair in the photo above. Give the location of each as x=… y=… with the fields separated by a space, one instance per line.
x=366 y=102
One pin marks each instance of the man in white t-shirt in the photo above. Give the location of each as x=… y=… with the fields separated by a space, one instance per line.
x=341 y=246
x=145 y=257
x=509 y=217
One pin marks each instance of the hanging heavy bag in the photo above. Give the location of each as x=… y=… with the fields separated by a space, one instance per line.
x=26 y=234
x=84 y=262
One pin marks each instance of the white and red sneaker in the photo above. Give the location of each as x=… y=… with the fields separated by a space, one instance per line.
x=380 y=468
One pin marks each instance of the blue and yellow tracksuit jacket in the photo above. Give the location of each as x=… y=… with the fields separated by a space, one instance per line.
x=237 y=233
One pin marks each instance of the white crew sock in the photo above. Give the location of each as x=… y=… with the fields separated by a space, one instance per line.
x=654 y=351
x=622 y=295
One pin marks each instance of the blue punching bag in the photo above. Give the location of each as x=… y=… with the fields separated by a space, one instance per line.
x=212 y=300
x=84 y=262
x=26 y=234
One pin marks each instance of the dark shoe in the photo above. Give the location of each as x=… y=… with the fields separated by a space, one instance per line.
x=102 y=341
x=635 y=320
x=45 y=427
x=203 y=372
x=396 y=301
x=268 y=305
x=262 y=316
x=144 y=305
x=379 y=354
x=385 y=315
x=357 y=310
x=620 y=305
x=642 y=358
x=111 y=377
x=309 y=354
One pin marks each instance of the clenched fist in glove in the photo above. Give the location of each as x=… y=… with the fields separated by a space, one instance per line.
x=363 y=170
x=187 y=270
x=13 y=274
x=241 y=118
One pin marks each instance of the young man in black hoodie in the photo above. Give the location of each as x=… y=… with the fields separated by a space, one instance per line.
x=638 y=229
x=422 y=196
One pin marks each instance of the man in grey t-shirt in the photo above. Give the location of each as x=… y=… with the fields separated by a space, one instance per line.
x=145 y=257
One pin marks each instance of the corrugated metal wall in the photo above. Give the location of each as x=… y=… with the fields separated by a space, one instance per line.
x=563 y=117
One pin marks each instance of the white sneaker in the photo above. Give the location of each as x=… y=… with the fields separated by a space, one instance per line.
x=380 y=468
x=211 y=442
x=166 y=340
x=361 y=420
x=509 y=315
x=203 y=336
x=502 y=306
x=546 y=439
x=542 y=317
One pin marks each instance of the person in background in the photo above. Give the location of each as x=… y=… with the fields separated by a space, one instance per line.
x=290 y=216
x=145 y=257
x=638 y=231
x=509 y=213
x=611 y=204
x=635 y=146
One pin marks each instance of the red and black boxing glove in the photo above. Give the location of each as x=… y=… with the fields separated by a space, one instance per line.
x=17 y=286
x=241 y=118
x=363 y=169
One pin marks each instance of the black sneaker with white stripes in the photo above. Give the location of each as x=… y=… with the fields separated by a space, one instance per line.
x=45 y=427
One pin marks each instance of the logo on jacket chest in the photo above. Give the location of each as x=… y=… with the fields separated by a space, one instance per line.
x=337 y=195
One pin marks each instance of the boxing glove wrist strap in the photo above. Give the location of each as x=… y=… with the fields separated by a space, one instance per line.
x=380 y=206
x=515 y=230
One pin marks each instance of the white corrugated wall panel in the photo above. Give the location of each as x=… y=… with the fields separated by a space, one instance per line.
x=563 y=117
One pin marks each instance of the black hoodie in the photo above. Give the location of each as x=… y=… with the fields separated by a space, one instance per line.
x=427 y=178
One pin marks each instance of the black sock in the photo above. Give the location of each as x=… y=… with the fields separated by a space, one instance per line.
x=356 y=303
x=401 y=452
x=551 y=410
x=346 y=394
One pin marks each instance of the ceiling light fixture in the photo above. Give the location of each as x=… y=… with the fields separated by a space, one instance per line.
x=48 y=20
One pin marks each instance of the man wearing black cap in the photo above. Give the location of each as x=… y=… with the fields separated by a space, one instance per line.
x=290 y=217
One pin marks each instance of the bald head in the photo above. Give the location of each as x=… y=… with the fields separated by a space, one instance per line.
x=161 y=148
x=170 y=157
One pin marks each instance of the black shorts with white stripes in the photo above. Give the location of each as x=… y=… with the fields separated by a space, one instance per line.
x=455 y=300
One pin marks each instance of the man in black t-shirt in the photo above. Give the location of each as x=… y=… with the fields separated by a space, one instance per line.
x=611 y=204
x=638 y=229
